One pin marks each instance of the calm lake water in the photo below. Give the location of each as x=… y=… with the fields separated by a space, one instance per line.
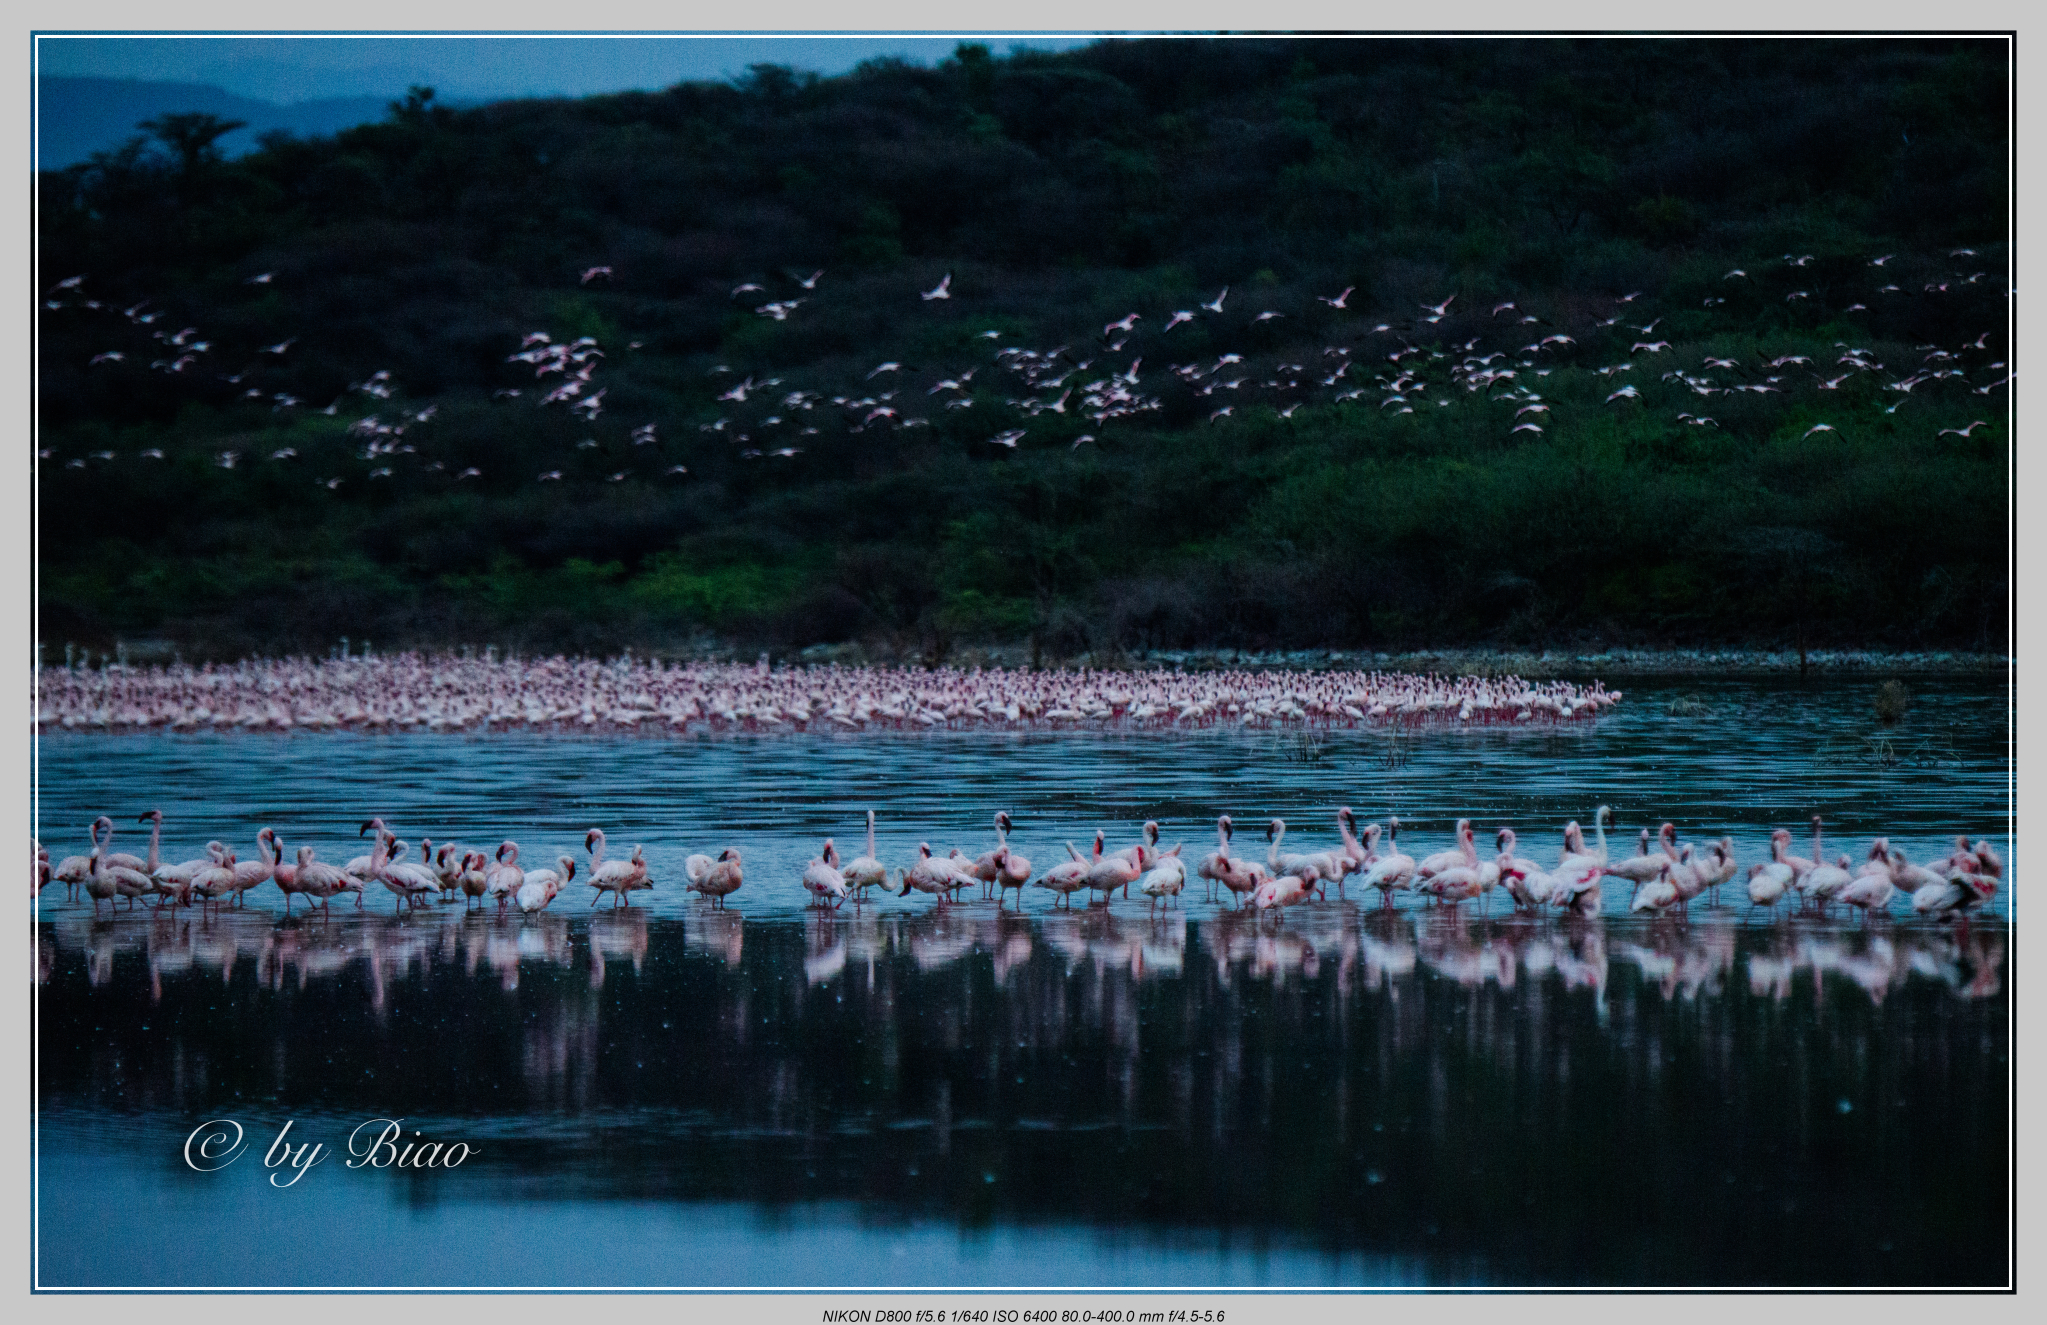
x=902 y=1096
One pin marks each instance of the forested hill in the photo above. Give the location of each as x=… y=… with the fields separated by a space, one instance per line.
x=1151 y=344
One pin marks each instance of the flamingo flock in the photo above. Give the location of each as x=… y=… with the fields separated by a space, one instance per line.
x=1536 y=369
x=220 y=879
x=455 y=692
x=1665 y=877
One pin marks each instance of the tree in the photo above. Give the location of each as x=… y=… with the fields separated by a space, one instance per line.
x=192 y=136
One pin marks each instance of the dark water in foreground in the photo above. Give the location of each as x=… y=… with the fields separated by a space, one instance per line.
x=671 y=1097
x=1355 y=1098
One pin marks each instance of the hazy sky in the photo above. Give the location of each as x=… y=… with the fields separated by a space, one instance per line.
x=297 y=68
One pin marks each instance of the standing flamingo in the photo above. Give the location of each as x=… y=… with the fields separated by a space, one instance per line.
x=1066 y=878
x=1395 y=870
x=823 y=879
x=1164 y=879
x=506 y=876
x=613 y=876
x=722 y=879
x=319 y=882
x=867 y=871
x=539 y=887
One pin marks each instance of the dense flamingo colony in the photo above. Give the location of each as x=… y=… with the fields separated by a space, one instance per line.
x=452 y=692
x=1665 y=878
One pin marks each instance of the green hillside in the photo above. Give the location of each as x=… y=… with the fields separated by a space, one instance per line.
x=1639 y=448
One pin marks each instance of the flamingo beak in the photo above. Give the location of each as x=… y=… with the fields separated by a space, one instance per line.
x=366 y=827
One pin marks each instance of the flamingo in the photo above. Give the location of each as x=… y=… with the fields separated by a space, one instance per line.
x=865 y=872
x=110 y=880
x=1645 y=864
x=1574 y=839
x=931 y=874
x=637 y=881
x=317 y=881
x=1314 y=866
x=408 y=882
x=120 y=859
x=942 y=290
x=1217 y=864
x=361 y=868
x=1165 y=879
x=217 y=880
x=1240 y=876
x=608 y=876
x=1657 y=894
x=504 y=878
x=1141 y=854
x=74 y=870
x=252 y=873
x=988 y=868
x=1768 y=880
x=285 y=876
x=1469 y=878
x=1870 y=892
x=177 y=879
x=1286 y=890
x=1694 y=876
x=101 y=884
x=823 y=878
x=1526 y=882
x=1064 y=879
x=1356 y=855
x=540 y=887
x=474 y=879
x=448 y=869
x=1952 y=896
x=1393 y=871
x=1823 y=882
x=723 y=878
x=1117 y=870
x=1444 y=860
x=1799 y=864
x=1506 y=841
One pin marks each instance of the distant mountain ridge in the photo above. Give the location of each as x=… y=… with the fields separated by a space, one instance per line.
x=79 y=116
